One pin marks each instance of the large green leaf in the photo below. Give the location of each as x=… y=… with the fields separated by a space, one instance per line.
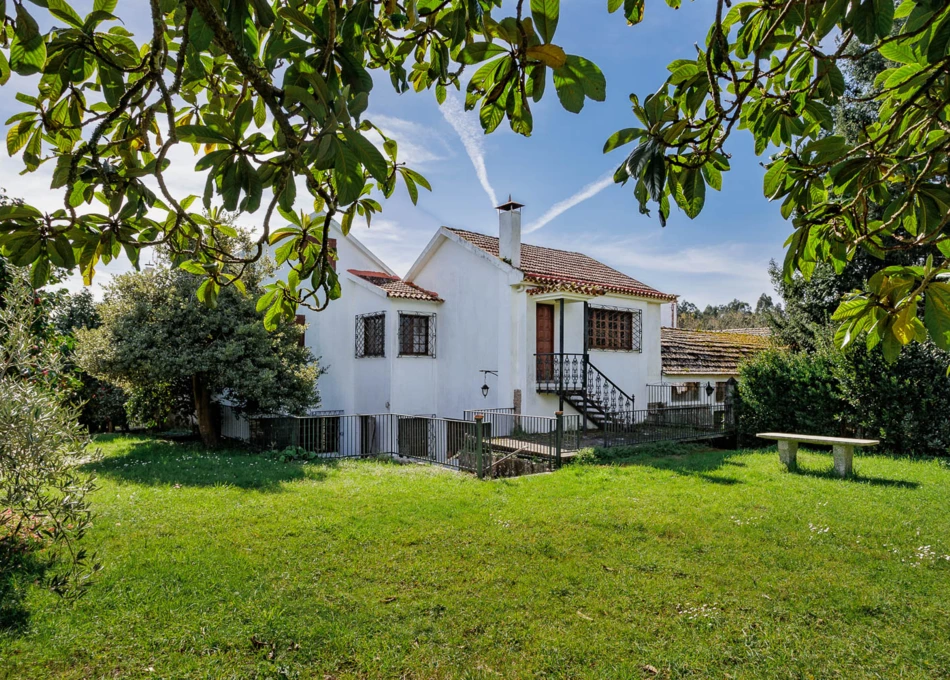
x=579 y=78
x=545 y=14
x=691 y=192
x=479 y=52
x=940 y=41
x=199 y=134
x=774 y=179
x=937 y=313
x=569 y=89
x=29 y=57
x=347 y=174
x=622 y=137
x=368 y=154
x=113 y=86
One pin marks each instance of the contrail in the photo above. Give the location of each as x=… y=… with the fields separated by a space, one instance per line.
x=471 y=137
x=588 y=191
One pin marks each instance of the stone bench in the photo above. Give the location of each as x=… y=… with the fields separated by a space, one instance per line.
x=843 y=448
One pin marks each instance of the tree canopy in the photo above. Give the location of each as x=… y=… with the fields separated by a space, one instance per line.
x=172 y=354
x=271 y=92
x=735 y=314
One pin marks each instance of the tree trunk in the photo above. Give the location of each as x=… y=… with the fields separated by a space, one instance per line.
x=206 y=424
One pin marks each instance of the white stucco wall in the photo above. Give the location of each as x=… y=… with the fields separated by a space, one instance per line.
x=631 y=371
x=473 y=329
x=413 y=378
x=331 y=337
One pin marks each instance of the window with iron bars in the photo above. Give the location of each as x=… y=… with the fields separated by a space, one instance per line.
x=416 y=334
x=371 y=335
x=614 y=329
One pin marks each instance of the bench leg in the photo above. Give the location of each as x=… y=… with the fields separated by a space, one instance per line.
x=788 y=454
x=844 y=456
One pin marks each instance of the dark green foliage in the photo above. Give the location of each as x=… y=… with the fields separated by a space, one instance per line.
x=275 y=94
x=44 y=508
x=859 y=138
x=829 y=391
x=173 y=355
x=905 y=404
x=293 y=454
x=103 y=404
x=618 y=455
x=782 y=391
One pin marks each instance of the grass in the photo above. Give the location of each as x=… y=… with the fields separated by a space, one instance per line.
x=711 y=564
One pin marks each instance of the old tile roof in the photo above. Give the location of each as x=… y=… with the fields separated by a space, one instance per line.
x=565 y=271
x=396 y=287
x=761 y=332
x=687 y=352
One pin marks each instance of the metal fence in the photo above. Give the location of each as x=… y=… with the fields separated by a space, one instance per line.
x=667 y=424
x=447 y=442
x=711 y=393
x=536 y=435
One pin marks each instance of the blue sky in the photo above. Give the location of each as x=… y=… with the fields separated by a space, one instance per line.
x=559 y=172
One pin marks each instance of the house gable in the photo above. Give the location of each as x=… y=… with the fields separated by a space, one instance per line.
x=353 y=254
x=439 y=239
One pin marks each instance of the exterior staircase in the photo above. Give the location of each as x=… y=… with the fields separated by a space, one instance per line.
x=585 y=387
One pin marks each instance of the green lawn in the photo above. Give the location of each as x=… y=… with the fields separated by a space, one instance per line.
x=712 y=564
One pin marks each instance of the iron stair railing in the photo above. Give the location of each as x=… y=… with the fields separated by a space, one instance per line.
x=575 y=378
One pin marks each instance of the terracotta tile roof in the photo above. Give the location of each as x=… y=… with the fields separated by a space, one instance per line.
x=709 y=352
x=562 y=270
x=396 y=287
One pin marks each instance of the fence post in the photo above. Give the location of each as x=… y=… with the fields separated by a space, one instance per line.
x=558 y=437
x=479 y=460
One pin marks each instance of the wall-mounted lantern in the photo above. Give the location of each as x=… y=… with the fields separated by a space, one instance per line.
x=709 y=389
x=485 y=387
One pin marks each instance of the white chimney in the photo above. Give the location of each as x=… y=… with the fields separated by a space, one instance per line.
x=509 y=232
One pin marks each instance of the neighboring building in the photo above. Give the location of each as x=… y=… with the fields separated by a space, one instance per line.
x=699 y=362
x=542 y=328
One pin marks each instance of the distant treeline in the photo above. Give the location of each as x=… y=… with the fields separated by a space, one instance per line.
x=735 y=314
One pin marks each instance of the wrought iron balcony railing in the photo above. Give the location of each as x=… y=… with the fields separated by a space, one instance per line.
x=574 y=377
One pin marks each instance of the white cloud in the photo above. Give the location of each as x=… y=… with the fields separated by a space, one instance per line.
x=730 y=258
x=555 y=210
x=418 y=144
x=701 y=274
x=472 y=139
x=396 y=245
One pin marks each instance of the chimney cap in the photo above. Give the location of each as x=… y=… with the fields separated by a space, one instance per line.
x=510 y=205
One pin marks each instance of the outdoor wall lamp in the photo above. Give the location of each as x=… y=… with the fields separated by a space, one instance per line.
x=709 y=389
x=485 y=375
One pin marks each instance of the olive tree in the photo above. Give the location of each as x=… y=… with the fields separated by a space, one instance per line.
x=44 y=510
x=273 y=93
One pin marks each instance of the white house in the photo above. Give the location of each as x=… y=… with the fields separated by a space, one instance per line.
x=543 y=328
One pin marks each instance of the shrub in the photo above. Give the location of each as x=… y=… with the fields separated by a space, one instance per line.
x=905 y=404
x=787 y=391
x=43 y=496
x=852 y=392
